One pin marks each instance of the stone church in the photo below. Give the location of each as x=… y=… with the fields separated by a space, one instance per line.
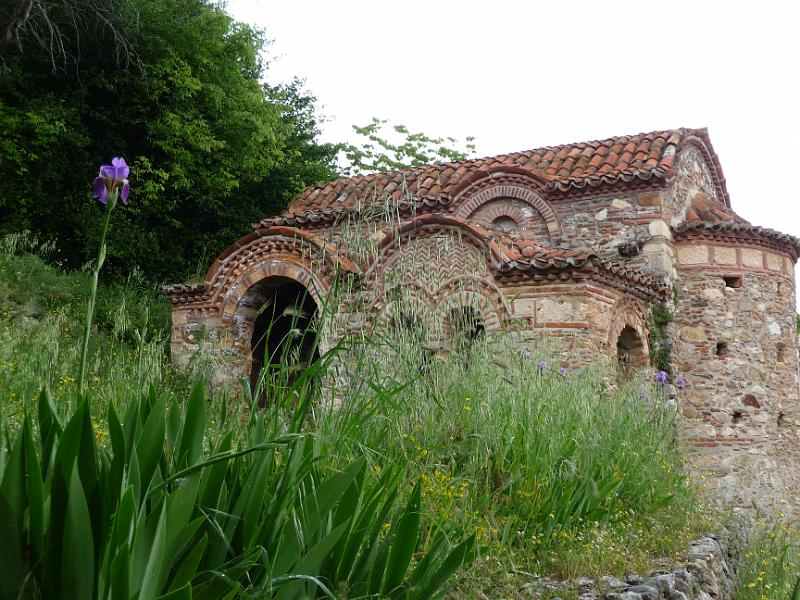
x=574 y=244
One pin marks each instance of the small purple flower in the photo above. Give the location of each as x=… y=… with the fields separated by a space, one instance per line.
x=681 y=383
x=661 y=377
x=111 y=177
x=542 y=365
x=562 y=371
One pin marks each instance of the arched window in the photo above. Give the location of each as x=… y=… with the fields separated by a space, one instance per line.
x=505 y=224
x=466 y=326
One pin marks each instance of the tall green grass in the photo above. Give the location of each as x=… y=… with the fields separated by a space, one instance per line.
x=142 y=490
x=41 y=310
x=770 y=569
x=565 y=475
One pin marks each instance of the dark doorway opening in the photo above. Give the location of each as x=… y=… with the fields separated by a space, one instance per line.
x=630 y=349
x=284 y=340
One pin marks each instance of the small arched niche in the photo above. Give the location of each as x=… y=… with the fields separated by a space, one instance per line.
x=466 y=326
x=284 y=337
x=630 y=350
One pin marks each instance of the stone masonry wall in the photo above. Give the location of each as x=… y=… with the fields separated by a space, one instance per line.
x=736 y=346
x=628 y=228
x=579 y=321
x=636 y=227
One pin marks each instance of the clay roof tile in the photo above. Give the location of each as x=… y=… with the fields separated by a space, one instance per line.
x=617 y=160
x=710 y=215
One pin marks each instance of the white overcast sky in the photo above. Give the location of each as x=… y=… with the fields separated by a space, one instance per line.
x=521 y=75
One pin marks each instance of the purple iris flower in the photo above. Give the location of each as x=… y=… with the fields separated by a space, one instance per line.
x=681 y=383
x=111 y=177
x=661 y=377
x=562 y=371
x=542 y=365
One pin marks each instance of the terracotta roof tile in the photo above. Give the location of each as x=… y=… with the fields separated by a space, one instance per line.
x=711 y=216
x=524 y=253
x=711 y=211
x=604 y=162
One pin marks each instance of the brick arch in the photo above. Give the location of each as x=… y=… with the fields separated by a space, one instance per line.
x=499 y=210
x=416 y=299
x=298 y=271
x=275 y=245
x=627 y=313
x=479 y=294
x=282 y=252
x=243 y=302
x=497 y=186
x=430 y=225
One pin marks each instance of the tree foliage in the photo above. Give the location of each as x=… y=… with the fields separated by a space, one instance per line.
x=211 y=148
x=377 y=152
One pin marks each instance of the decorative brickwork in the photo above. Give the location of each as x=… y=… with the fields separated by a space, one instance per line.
x=569 y=246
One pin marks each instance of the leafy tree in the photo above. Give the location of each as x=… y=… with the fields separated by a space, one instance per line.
x=378 y=153
x=211 y=148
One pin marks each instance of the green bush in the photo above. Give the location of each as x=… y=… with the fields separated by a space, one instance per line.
x=175 y=87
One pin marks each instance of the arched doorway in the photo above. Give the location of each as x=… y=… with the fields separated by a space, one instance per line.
x=284 y=339
x=630 y=349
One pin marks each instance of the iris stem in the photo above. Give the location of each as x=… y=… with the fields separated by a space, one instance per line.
x=101 y=255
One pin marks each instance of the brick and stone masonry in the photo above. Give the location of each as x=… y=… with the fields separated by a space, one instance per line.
x=571 y=244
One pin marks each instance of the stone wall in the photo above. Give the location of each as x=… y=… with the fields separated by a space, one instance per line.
x=630 y=228
x=707 y=571
x=636 y=227
x=736 y=346
x=580 y=320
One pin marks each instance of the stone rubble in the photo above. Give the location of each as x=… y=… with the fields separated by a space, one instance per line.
x=707 y=573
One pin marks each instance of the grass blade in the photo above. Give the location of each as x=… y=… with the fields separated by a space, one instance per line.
x=191 y=445
x=36 y=501
x=156 y=570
